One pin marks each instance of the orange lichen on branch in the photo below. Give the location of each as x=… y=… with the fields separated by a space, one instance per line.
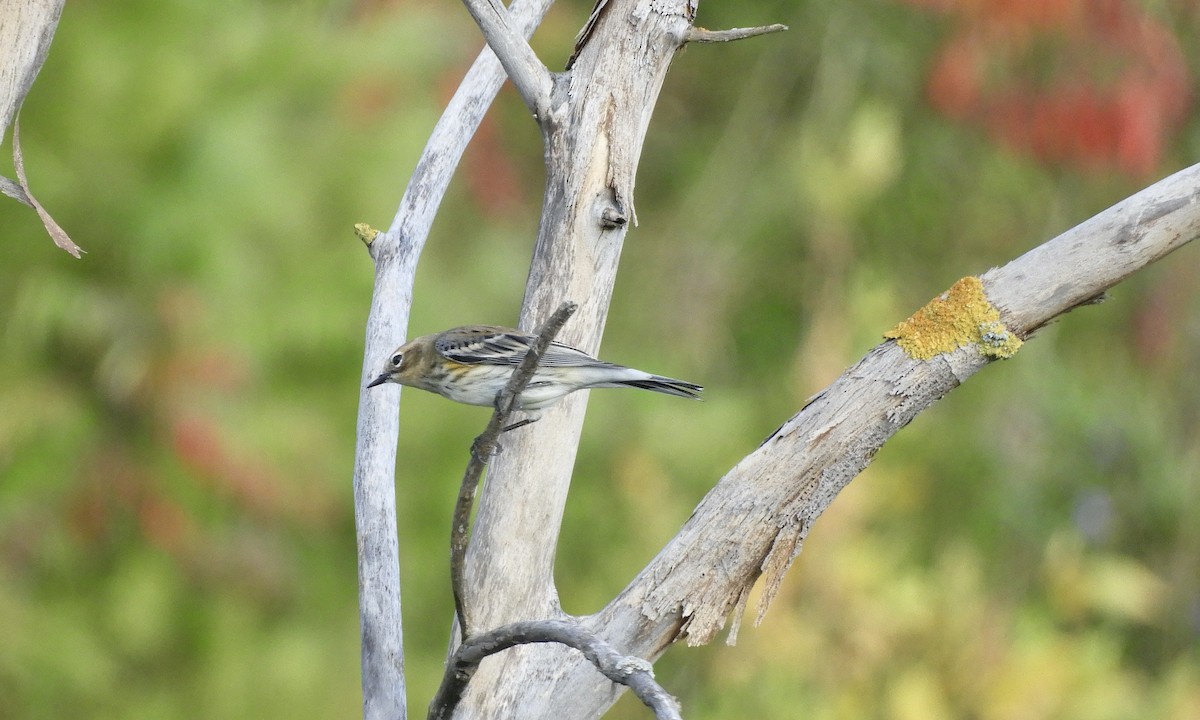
x=959 y=317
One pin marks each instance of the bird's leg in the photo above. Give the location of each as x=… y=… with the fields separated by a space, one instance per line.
x=519 y=424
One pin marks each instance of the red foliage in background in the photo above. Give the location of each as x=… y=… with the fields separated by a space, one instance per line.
x=1085 y=83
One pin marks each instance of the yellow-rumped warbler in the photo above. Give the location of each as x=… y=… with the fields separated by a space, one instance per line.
x=472 y=364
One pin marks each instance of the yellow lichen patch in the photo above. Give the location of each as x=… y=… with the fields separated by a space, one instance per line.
x=366 y=233
x=959 y=317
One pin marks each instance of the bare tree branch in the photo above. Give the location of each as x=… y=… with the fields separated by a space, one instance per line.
x=26 y=30
x=702 y=35
x=485 y=446
x=633 y=672
x=755 y=520
x=53 y=229
x=528 y=74
x=1091 y=257
x=593 y=142
x=753 y=523
x=14 y=191
x=395 y=253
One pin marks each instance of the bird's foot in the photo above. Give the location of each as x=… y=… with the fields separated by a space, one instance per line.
x=482 y=452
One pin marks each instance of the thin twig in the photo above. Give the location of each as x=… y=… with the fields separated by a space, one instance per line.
x=702 y=35
x=485 y=446
x=634 y=672
x=53 y=229
x=531 y=77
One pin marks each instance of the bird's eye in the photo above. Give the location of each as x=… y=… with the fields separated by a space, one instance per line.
x=396 y=359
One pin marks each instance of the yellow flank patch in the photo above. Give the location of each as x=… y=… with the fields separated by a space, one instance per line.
x=959 y=317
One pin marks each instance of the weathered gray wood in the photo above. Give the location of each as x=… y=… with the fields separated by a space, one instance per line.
x=395 y=253
x=594 y=128
x=528 y=74
x=486 y=446
x=703 y=35
x=1097 y=254
x=753 y=523
x=26 y=29
x=632 y=672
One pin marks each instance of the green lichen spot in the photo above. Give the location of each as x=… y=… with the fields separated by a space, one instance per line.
x=366 y=233
x=959 y=317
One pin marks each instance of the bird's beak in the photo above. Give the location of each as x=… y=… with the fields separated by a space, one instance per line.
x=383 y=377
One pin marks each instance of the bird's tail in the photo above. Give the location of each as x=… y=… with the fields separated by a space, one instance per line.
x=658 y=383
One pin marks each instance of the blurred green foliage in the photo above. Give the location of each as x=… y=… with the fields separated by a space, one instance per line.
x=176 y=441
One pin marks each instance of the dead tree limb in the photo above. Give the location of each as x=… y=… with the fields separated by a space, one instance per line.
x=704 y=35
x=26 y=30
x=594 y=128
x=528 y=74
x=629 y=671
x=753 y=523
x=395 y=253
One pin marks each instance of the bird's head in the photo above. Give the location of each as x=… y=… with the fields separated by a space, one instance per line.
x=399 y=364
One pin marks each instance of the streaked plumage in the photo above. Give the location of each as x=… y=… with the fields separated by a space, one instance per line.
x=471 y=364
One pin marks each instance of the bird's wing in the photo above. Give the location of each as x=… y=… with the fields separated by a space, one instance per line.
x=483 y=344
x=559 y=355
x=493 y=345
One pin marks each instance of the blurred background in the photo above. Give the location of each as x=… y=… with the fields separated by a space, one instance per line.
x=178 y=407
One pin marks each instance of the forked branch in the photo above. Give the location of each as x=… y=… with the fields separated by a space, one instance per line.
x=753 y=524
x=633 y=672
x=531 y=78
x=396 y=252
